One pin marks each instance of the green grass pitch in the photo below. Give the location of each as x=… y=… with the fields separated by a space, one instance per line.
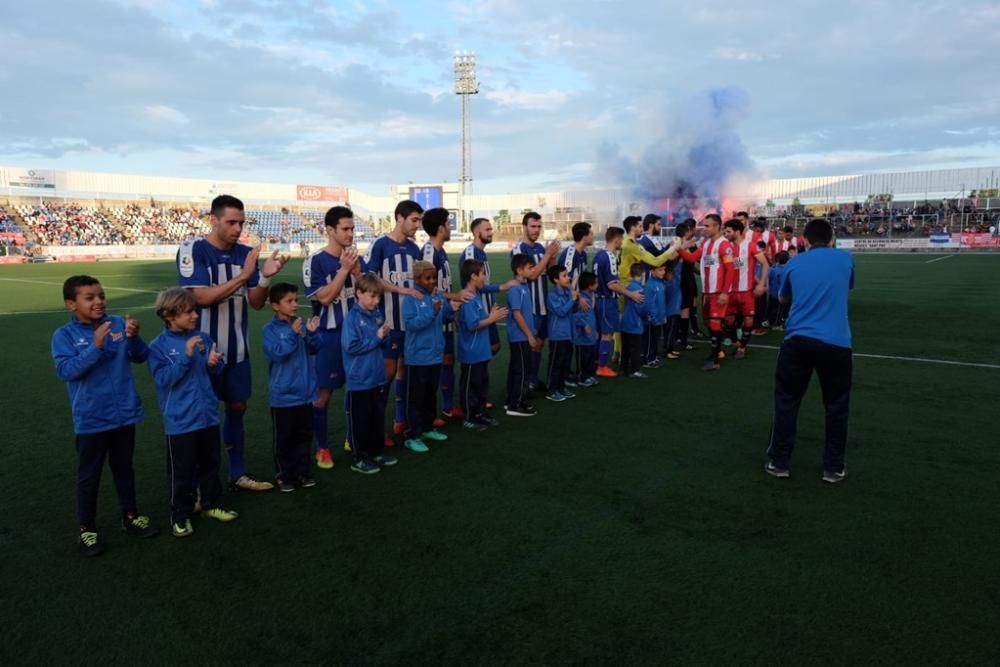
x=633 y=525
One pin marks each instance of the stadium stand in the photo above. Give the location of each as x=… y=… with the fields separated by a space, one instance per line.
x=69 y=224
x=152 y=225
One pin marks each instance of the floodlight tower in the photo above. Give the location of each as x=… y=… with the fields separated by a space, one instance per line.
x=465 y=86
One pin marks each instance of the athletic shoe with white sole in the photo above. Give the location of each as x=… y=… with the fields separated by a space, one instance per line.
x=775 y=471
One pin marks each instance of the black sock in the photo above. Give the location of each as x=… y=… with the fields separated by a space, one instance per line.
x=745 y=338
x=685 y=323
x=716 y=345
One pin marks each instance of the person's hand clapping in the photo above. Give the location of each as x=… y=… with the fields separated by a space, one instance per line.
x=131 y=326
x=214 y=356
x=192 y=343
x=250 y=264
x=273 y=264
x=496 y=314
x=101 y=335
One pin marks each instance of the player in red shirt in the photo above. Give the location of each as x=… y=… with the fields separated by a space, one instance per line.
x=716 y=257
x=746 y=287
x=785 y=240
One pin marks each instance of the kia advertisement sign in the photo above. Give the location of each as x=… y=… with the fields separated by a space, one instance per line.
x=321 y=193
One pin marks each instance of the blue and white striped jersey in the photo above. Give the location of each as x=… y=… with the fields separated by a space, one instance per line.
x=574 y=261
x=393 y=262
x=606 y=268
x=486 y=294
x=439 y=258
x=319 y=269
x=201 y=264
x=539 y=286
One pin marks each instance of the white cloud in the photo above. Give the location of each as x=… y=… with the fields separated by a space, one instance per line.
x=516 y=98
x=741 y=55
x=165 y=114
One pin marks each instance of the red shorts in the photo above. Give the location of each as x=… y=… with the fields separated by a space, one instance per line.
x=712 y=309
x=742 y=303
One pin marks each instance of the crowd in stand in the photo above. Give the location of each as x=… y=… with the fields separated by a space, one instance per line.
x=70 y=224
x=149 y=225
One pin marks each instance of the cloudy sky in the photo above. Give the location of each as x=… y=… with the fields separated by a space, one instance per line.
x=360 y=93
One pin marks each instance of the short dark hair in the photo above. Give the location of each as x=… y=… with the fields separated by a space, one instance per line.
x=580 y=231
x=682 y=228
x=759 y=224
x=782 y=257
x=434 y=219
x=630 y=222
x=406 y=208
x=279 y=290
x=613 y=233
x=587 y=278
x=471 y=267
x=530 y=215
x=222 y=202
x=517 y=261
x=369 y=283
x=75 y=282
x=818 y=232
x=788 y=228
x=742 y=214
x=555 y=271
x=736 y=225
x=670 y=265
x=712 y=216
x=476 y=223
x=649 y=220
x=335 y=214
x=636 y=270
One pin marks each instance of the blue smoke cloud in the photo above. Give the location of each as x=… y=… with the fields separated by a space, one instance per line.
x=698 y=156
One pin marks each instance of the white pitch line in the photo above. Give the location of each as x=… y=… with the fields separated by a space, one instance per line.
x=49 y=282
x=921 y=360
x=938 y=259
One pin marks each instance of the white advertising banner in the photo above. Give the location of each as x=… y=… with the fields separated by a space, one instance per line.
x=32 y=178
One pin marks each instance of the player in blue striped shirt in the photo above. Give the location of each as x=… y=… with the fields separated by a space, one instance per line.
x=435 y=223
x=391 y=257
x=544 y=256
x=222 y=274
x=574 y=259
x=328 y=276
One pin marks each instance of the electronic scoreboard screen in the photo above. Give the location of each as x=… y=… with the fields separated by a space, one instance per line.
x=429 y=197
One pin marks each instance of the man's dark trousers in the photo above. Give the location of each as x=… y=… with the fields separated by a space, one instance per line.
x=798 y=357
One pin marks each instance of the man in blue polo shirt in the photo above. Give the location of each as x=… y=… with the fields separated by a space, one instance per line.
x=817 y=337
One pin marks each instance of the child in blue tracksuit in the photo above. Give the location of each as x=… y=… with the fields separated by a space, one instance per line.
x=561 y=302
x=92 y=354
x=673 y=307
x=632 y=326
x=361 y=340
x=775 y=278
x=181 y=359
x=474 y=348
x=289 y=346
x=424 y=320
x=655 y=316
x=585 y=331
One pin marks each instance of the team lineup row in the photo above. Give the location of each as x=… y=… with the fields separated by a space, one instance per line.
x=357 y=339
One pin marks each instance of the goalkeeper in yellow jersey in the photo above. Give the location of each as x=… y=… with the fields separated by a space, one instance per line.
x=632 y=251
